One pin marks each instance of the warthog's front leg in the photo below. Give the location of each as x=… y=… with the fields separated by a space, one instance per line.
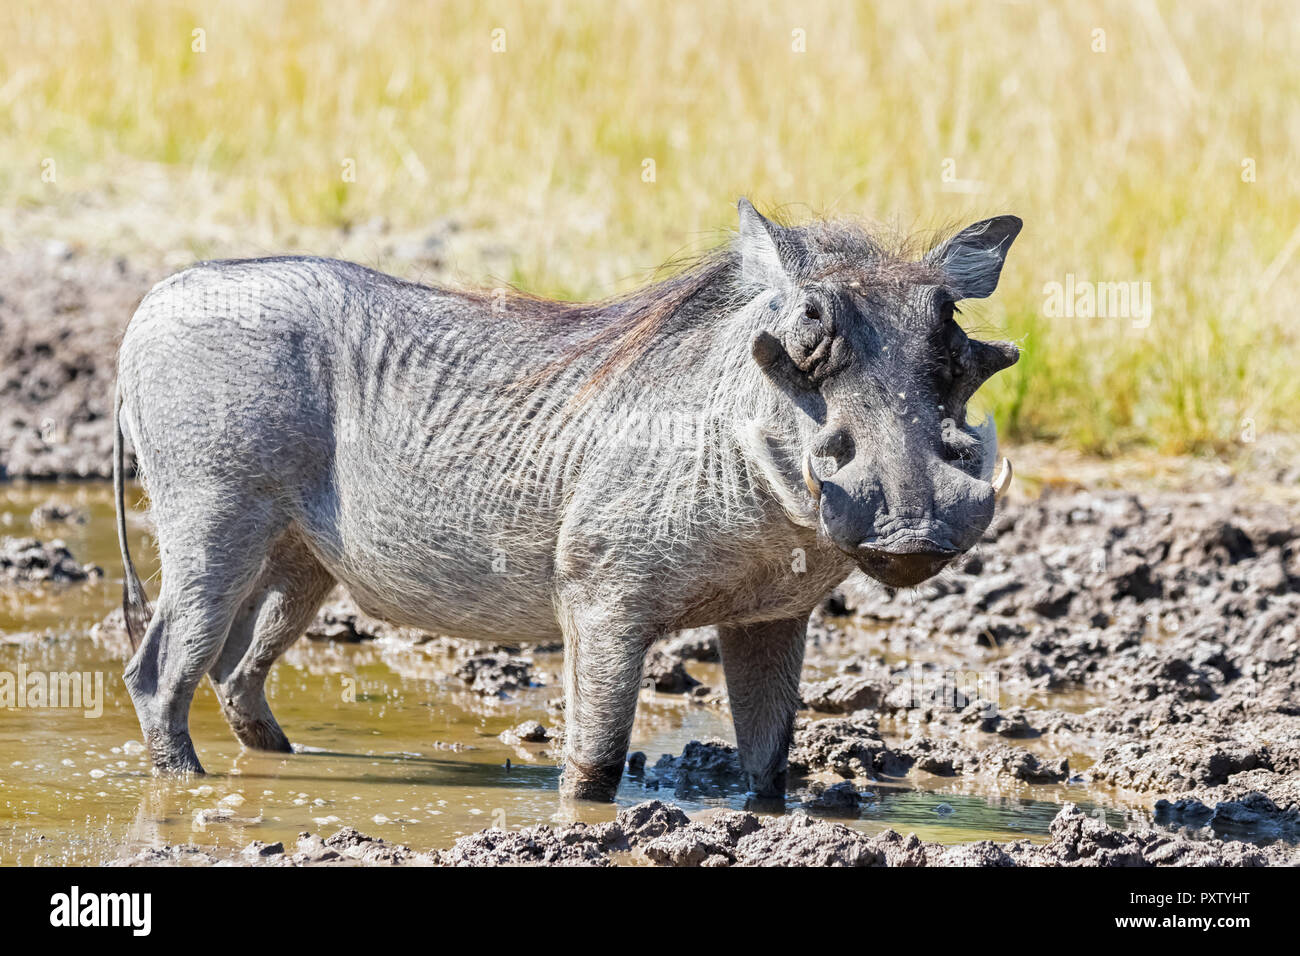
x=762 y=663
x=603 y=661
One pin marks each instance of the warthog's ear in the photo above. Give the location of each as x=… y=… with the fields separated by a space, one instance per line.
x=760 y=253
x=973 y=258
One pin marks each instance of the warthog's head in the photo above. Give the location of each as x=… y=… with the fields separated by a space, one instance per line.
x=865 y=345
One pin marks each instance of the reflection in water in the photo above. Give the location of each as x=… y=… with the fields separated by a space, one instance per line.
x=410 y=756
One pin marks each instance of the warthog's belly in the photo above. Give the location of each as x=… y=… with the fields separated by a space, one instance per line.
x=418 y=563
x=489 y=614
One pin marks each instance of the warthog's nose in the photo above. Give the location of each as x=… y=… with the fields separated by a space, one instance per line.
x=906 y=565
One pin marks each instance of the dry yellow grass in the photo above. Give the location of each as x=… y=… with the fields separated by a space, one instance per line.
x=1126 y=164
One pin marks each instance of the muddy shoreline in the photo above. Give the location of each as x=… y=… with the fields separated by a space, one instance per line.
x=1145 y=644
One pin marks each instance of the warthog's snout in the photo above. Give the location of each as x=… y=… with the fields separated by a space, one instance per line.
x=905 y=564
x=898 y=533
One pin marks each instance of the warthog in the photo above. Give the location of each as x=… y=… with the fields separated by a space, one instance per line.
x=718 y=448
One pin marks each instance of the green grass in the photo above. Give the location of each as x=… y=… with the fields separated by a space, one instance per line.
x=1125 y=164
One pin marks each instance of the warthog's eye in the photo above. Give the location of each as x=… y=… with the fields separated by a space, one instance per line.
x=816 y=313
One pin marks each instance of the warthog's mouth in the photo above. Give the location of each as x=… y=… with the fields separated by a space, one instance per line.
x=903 y=569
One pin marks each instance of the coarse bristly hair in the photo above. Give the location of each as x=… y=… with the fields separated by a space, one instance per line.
x=691 y=290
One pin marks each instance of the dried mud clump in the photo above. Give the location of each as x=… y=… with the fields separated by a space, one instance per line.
x=31 y=560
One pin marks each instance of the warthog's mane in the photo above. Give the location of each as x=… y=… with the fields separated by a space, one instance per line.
x=691 y=291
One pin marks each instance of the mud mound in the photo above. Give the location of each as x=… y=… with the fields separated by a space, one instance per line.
x=663 y=835
x=32 y=560
x=347 y=847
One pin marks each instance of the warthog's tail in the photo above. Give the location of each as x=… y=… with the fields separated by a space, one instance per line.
x=135 y=603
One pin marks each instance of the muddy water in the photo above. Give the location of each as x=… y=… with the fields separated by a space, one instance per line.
x=389 y=743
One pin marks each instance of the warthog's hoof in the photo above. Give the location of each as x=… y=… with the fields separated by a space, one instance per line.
x=263 y=735
x=172 y=754
x=766 y=792
x=598 y=784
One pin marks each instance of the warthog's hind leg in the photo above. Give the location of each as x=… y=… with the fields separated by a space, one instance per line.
x=279 y=607
x=206 y=571
x=762 y=664
x=603 y=662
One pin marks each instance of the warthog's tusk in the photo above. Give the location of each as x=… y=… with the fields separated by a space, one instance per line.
x=810 y=478
x=1002 y=480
